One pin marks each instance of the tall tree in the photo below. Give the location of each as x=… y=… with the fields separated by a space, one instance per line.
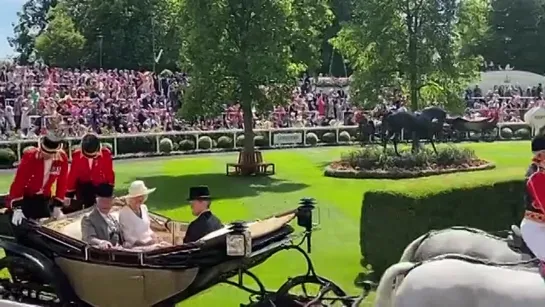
x=516 y=35
x=249 y=51
x=32 y=21
x=60 y=44
x=423 y=46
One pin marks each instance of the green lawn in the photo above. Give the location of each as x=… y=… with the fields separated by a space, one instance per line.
x=299 y=174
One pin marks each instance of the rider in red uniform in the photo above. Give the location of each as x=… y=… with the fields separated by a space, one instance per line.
x=30 y=194
x=533 y=223
x=92 y=168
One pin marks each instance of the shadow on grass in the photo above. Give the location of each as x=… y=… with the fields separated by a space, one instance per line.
x=172 y=191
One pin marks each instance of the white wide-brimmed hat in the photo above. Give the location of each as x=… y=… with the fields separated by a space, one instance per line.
x=138 y=188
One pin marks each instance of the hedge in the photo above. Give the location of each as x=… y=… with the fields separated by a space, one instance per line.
x=390 y=221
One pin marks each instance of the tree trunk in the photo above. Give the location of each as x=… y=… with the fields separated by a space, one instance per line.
x=249 y=163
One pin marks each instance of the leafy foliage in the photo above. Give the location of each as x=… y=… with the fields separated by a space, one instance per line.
x=249 y=51
x=421 y=45
x=32 y=21
x=374 y=157
x=60 y=44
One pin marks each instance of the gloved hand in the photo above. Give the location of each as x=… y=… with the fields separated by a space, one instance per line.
x=17 y=217
x=57 y=213
x=105 y=245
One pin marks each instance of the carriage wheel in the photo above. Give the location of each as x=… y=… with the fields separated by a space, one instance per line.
x=305 y=289
x=25 y=283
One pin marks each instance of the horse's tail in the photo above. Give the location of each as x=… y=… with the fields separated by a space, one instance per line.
x=410 y=250
x=385 y=288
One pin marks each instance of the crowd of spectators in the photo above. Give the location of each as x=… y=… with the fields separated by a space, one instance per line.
x=72 y=102
x=510 y=100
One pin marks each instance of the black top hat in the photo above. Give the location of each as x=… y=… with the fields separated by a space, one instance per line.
x=50 y=144
x=104 y=190
x=538 y=143
x=90 y=145
x=200 y=192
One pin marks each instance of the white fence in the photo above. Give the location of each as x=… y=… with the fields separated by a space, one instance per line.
x=269 y=134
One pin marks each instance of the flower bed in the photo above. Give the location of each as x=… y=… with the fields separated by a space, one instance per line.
x=373 y=162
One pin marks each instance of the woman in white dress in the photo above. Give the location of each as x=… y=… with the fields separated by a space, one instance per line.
x=134 y=219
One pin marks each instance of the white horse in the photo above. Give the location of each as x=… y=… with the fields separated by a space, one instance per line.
x=467 y=241
x=454 y=281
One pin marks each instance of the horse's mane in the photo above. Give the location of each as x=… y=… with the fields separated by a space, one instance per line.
x=472 y=230
x=531 y=262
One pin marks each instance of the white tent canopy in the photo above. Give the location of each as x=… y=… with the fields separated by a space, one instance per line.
x=524 y=79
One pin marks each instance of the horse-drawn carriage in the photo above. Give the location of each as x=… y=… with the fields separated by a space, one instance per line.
x=50 y=265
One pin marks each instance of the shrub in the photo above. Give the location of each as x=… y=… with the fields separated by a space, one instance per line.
x=523 y=133
x=225 y=142
x=374 y=157
x=166 y=145
x=344 y=136
x=205 y=142
x=329 y=137
x=312 y=138
x=506 y=133
x=7 y=157
x=390 y=221
x=136 y=145
x=260 y=141
x=187 y=144
x=240 y=140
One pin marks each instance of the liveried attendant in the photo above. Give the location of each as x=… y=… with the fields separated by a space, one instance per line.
x=533 y=224
x=30 y=194
x=91 y=170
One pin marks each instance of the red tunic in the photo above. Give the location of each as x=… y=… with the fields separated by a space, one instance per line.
x=101 y=172
x=29 y=177
x=536 y=189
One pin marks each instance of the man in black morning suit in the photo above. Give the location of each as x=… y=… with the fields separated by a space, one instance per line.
x=206 y=222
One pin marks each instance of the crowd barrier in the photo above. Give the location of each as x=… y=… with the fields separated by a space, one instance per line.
x=124 y=145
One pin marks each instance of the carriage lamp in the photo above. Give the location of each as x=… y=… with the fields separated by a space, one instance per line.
x=238 y=240
x=304 y=213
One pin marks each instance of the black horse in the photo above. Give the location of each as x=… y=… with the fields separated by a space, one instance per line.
x=420 y=125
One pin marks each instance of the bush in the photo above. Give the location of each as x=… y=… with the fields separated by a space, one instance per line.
x=205 y=142
x=374 y=157
x=186 y=145
x=7 y=157
x=506 y=133
x=260 y=141
x=390 y=221
x=329 y=138
x=136 y=145
x=312 y=138
x=344 y=136
x=523 y=133
x=166 y=145
x=225 y=142
x=240 y=140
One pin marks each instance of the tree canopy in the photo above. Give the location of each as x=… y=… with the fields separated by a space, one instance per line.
x=422 y=46
x=250 y=51
x=60 y=44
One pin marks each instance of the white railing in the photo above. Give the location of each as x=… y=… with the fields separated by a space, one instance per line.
x=232 y=133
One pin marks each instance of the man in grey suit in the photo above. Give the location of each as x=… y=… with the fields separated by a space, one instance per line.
x=99 y=228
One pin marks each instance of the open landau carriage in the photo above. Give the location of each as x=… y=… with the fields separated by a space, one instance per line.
x=50 y=265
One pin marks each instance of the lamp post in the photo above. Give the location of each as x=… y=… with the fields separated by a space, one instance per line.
x=239 y=240
x=100 y=43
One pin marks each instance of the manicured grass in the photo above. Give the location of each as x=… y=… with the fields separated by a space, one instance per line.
x=300 y=174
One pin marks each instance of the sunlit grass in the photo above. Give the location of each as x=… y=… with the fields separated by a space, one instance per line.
x=336 y=252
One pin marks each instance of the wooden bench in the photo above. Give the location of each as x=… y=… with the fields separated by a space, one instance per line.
x=250 y=165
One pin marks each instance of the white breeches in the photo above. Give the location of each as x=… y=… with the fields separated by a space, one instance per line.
x=533 y=234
